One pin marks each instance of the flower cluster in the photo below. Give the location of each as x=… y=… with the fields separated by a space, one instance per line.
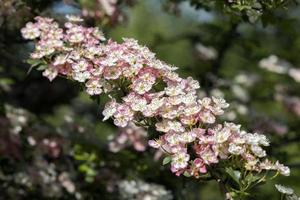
x=140 y=190
x=148 y=92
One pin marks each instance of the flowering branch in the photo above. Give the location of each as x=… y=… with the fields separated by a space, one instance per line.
x=149 y=92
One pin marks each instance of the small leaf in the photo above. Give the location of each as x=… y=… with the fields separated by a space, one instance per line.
x=84 y=168
x=41 y=67
x=167 y=160
x=187 y=174
x=6 y=81
x=34 y=62
x=234 y=174
x=250 y=178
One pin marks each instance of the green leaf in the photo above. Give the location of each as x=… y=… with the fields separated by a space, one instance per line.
x=186 y=174
x=42 y=67
x=84 y=168
x=6 y=81
x=34 y=62
x=89 y=179
x=253 y=15
x=167 y=160
x=234 y=174
x=250 y=178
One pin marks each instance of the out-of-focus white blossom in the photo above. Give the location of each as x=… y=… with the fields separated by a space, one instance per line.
x=131 y=135
x=284 y=190
x=140 y=190
x=295 y=74
x=206 y=52
x=274 y=64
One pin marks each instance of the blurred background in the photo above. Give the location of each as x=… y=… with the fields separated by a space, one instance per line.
x=53 y=143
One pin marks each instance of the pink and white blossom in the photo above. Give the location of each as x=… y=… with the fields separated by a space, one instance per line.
x=148 y=92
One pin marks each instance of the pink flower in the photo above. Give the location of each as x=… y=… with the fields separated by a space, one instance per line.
x=80 y=66
x=154 y=143
x=200 y=165
x=93 y=87
x=112 y=73
x=207 y=117
x=50 y=73
x=149 y=92
x=180 y=160
x=31 y=31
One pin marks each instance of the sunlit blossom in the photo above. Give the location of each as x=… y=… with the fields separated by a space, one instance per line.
x=148 y=92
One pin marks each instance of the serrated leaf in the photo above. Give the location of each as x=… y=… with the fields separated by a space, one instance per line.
x=167 y=160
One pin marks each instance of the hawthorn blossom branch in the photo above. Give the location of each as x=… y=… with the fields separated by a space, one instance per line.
x=149 y=92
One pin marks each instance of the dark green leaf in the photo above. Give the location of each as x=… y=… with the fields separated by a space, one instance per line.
x=42 y=67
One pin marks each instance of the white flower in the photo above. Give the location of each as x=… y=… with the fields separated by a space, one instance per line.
x=50 y=73
x=258 y=151
x=189 y=98
x=174 y=90
x=187 y=137
x=81 y=76
x=156 y=104
x=31 y=31
x=284 y=170
x=110 y=109
x=81 y=66
x=139 y=104
x=60 y=60
x=223 y=135
x=284 y=190
x=220 y=102
x=274 y=64
x=180 y=160
x=175 y=126
x=192 y=109
x=74 y=18
x=205 y=102
x=295 y=74
x=235 y=149
x=121 y=121
x=263 y=140
x=93 y=87
x=252 y=139
x=207 y=117
x=172 y=139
